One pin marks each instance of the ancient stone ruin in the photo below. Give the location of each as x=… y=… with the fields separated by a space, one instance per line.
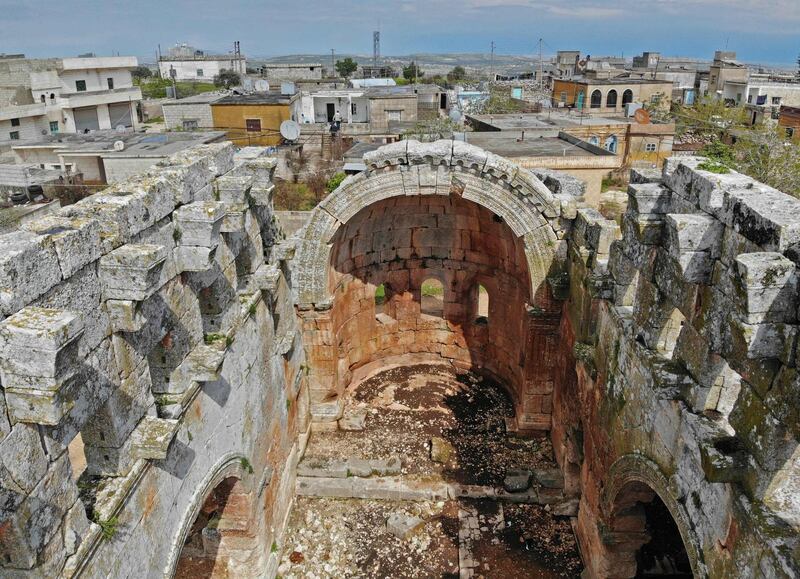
x=167 y=355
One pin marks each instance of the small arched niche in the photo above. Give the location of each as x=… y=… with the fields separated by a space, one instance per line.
x=481 y=305
x=432 y=297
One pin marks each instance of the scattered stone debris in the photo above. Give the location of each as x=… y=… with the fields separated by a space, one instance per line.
x=517 y=481
x=402 y=524
x=442 y=451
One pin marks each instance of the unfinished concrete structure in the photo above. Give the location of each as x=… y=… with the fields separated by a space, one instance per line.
x=195 y=351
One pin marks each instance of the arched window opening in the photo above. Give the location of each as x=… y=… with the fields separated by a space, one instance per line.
x=611 y=144
x=646 y=532
x=224 y=513
x=381 y=299
x=594 y=140
x=597 y=99
x=482 y=303
x=42 y=98
x=432 y=297
x=627 y=97
x=611 y=99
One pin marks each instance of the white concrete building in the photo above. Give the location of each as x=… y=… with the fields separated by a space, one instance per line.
x=201 y=68
x=41 y=97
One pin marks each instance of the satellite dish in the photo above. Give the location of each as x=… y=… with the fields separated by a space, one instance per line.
x=642 y=117
x=119 y=145
x=290 y=130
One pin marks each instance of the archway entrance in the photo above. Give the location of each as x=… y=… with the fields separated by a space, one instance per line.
x=646 y=539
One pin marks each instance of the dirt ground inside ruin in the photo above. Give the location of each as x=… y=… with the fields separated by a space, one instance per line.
x=405 y=408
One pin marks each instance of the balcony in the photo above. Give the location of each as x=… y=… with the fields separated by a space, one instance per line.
x=74 y=100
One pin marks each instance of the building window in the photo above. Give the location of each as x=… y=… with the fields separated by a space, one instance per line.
x=353 y=109
x=394 y=115
x=656 y=98
x=790 y=132
x=563 y=96
x=627 y=97
x=776 y=100
x=14 y=135
x=52 y=96
x=650 y=147
x=199 y=72
x=189 y=125
x=14 y=122
x=53 y=127
x=611 y=99
x=611 y=144
x=253 y=125
x=80 y=85
x=42 y=98
x=381 y=297
x=110 y=82
x=594 y=140
x=597 y=99
x=432 y=297
x=749 y=99
x=482 y=306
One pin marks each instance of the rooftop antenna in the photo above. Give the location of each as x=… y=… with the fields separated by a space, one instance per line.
x=376 y=50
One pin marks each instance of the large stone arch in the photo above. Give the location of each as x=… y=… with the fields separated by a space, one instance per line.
x=442 y=168
x=634 y=468
x=458 y=177
x=231 y=465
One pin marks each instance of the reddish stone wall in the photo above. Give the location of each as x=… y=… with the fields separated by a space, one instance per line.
x=401 y=242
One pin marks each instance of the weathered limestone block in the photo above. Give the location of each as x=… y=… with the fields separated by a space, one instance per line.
x=233 y=188
x=28 y=268
x=125 y=315
x=112 y=422
x=184 y=180
x=23 y=463
x=204 y=363
x=765 y=288
x=39 y=348
x=437 y=153
x=468 y=156
x=500 y=168
x=195 y=258
x=261 y=194
x=640 y=175
x=261 y=169
x=392 y=154
x=536 y=192
x=219 y=155
x=152 y=437
x=267 y=277
x=132 y=272
x=76 y=240
x=234 y=219
x=765 y=216
x=37 y=520
x=594 y=231
x=756 y=341
x=767 y=438
x=647 y=198
x=678 y=278
x=199 y=223
x=109 y=460
x=685 y=233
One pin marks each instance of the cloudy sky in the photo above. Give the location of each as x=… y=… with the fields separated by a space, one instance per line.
x=759 y=30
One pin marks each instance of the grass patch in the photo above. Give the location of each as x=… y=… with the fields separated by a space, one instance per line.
x=713 y=167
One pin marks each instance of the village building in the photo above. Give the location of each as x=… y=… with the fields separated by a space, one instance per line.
x=69 y=95
x=292 y=71
x=186 y=63
x=254 y=119
x=611 y=95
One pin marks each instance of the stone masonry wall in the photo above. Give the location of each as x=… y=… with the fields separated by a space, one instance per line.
x=684 y=335
x=153 y=324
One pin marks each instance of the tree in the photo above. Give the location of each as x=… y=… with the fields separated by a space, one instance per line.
x=412 y=71
x=458 y=73
x=346 y=67
x=227 y=78
x=141 y=72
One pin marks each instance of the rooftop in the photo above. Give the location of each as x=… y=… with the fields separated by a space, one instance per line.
x=616 y=80
x=256 y=99
x=135 y=144
x=510 y=146
x=202 y=98
x=552 y=119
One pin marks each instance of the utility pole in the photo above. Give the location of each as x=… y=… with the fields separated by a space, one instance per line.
x=541 y=67
x=333 y=63
x=491 y=65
